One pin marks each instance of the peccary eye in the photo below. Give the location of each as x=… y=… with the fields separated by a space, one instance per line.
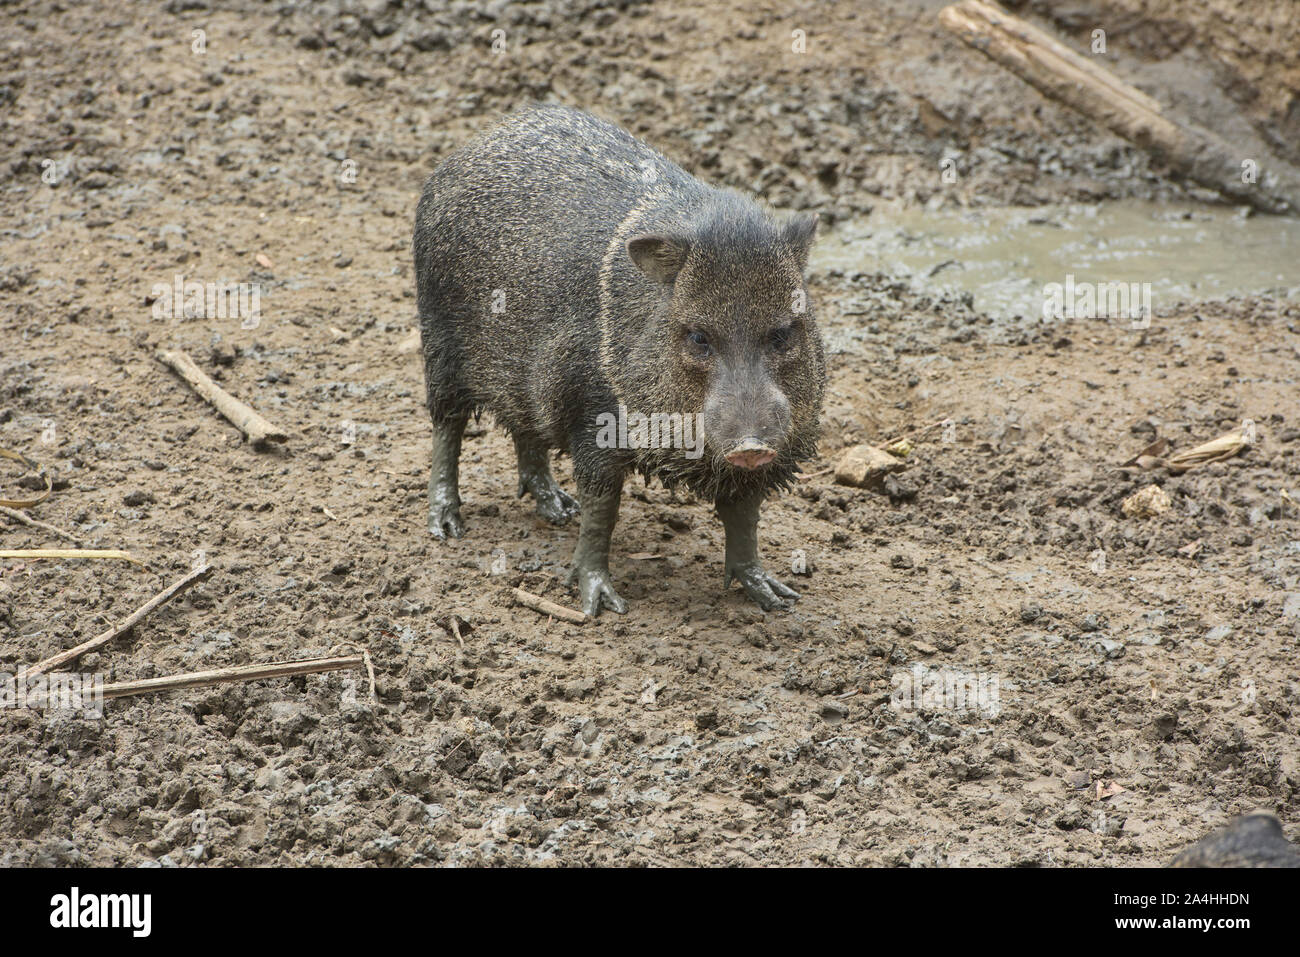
x=699 y=342
x=782 y=338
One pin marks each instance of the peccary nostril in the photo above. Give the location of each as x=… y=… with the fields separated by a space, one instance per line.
x=750 y=454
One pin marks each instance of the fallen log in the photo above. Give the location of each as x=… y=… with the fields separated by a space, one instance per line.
x=1086 y=86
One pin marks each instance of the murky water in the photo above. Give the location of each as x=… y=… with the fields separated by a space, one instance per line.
x=1007 y=256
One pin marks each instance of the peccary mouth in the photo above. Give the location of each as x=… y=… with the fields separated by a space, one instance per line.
x=751 y=454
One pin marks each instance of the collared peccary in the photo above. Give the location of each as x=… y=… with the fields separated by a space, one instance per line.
x=570 y=277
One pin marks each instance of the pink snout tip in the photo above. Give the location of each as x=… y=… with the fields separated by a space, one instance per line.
x=750 y=455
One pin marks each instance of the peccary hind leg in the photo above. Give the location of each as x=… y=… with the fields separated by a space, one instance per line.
x=740 y=520
x=444 y=478
x=553 y=503
x=591 y=559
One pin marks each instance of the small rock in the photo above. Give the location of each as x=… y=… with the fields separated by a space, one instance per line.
x=900 y=490
x=1111 y=825
x=1254 y=840
x=1078 y=780
x=834 y=711
x=706 y=720
x=137 y=498
x=1109 y=647
x=866 y=466
x=1071 y=818
x=1163 y=726
x=1147 y=503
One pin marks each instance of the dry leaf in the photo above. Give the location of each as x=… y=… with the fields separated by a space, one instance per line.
x=1108 y=789
x=1216 y=450
x=1154 y=451
x=264 y=261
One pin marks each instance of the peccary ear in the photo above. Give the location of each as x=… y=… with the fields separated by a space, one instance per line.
x=799 y=233
x=659 y=257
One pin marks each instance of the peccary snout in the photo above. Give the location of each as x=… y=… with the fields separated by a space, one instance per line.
x=746 y=415
x=751 y=454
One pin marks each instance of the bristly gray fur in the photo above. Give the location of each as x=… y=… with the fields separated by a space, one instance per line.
x=531 y=308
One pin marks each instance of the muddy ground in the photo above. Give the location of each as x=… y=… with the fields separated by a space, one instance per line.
x=1145 y=669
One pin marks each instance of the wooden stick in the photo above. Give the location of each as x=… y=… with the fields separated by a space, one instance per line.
x=1086 y=86
x=248 y=421
x=18 y=516
x=72 y=654
x=547 y=607
x=370 y=673
x=68 y=553
x=200 y=679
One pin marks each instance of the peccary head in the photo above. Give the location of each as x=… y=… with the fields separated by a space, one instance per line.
x=735 y=334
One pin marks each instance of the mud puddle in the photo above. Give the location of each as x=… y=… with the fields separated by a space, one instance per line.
x=1005 y=257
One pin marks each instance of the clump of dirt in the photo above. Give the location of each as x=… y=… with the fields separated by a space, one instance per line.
x=1133 y=678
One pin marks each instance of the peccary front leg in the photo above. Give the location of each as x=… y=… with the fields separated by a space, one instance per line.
x=591 y=559
x=740 y=520
x=444 y=478
x=553 y=503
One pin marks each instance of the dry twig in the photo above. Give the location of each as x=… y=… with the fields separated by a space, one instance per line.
x=121 y=628
x=26 y=502
x=18 y=516
x=69 y=553
x=201 y=679
x=546 y=607
x=249 y=422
